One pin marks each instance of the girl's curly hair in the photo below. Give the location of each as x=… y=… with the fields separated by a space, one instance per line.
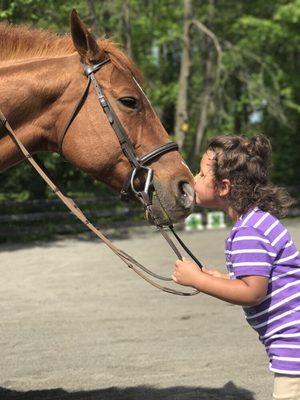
x=246 y=162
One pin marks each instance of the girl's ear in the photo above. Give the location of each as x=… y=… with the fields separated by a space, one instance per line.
x=225 y=188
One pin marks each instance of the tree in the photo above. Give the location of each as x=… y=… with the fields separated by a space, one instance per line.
x=181 y=114
x=126 y=27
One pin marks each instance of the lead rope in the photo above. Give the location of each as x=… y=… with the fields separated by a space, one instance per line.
x=179 y=240
x=72 y=206
x=160 y=228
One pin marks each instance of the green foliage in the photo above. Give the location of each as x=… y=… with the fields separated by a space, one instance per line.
x=53 y=14
x=259 y=79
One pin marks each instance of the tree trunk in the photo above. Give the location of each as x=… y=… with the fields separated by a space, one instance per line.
x=210 y=81
x=100 y=13
x=206 y=99
x=93 y=20
x=181 y=114
x=126 y=27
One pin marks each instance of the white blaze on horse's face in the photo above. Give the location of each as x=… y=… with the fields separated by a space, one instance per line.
x=184 y=163
x=100 y=153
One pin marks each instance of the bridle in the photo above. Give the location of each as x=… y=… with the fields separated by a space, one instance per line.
x=138 y=164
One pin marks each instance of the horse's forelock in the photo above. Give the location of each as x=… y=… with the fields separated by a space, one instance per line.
x=119 y=58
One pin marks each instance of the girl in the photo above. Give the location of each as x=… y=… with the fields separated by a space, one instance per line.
x=262 y=261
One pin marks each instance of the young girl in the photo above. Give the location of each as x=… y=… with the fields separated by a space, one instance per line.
x=261 y=258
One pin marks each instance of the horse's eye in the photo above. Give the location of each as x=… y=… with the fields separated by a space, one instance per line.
x=129 y=102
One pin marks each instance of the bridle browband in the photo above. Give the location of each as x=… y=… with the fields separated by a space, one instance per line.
x=138 y=164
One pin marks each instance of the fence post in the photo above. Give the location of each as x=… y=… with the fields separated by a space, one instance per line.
x=194 y=222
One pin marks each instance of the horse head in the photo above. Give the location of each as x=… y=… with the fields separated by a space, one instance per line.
x=91 y=143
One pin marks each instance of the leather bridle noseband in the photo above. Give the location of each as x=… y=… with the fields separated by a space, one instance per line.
x=138 y=164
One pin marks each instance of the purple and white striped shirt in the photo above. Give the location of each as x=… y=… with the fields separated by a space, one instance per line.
x=259 y=244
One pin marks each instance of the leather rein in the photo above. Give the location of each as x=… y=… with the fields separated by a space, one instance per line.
x=138 y=165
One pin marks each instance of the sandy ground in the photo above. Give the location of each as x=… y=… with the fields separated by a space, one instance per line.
x=76 y=324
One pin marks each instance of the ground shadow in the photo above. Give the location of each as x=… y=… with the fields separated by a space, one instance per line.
x=227 y=392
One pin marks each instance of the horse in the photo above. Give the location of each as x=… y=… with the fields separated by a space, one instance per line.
x=41 y=79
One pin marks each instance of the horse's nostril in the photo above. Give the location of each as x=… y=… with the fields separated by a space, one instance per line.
x=186 y=194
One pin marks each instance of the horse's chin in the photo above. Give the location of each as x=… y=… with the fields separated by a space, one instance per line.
x=166 y=210
x=159 y=216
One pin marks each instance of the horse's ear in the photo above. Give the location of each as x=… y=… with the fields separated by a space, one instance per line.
x=84 y=41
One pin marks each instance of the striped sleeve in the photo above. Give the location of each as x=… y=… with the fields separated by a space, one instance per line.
x=251 y=253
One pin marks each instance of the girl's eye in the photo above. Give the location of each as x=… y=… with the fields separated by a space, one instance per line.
x=129 y=102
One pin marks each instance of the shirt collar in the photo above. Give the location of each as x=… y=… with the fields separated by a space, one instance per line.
x=244 y=217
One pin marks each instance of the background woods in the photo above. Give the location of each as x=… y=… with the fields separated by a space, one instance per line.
x=210 y=67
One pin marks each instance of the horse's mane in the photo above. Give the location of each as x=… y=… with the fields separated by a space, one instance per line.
x=22 y=42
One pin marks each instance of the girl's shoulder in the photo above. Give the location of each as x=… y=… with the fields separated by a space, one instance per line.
x=263 y=225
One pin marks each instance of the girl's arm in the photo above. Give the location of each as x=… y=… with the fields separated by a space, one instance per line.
x=247 y=291
x=216 y=273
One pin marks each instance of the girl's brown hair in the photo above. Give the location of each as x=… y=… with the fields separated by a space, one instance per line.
x=246 y=163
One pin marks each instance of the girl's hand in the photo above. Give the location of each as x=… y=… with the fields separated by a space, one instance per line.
x=186 y=272
x=215 y=273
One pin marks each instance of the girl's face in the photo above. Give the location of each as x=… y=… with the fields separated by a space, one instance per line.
x=207 y=195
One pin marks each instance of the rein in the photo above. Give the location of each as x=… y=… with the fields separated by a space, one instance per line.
x=138 y=164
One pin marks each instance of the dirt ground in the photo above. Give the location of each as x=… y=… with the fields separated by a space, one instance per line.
x=76 y=324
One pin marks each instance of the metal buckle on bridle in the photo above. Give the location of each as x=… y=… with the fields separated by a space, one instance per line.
x=89 y=69
x=143 y=195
